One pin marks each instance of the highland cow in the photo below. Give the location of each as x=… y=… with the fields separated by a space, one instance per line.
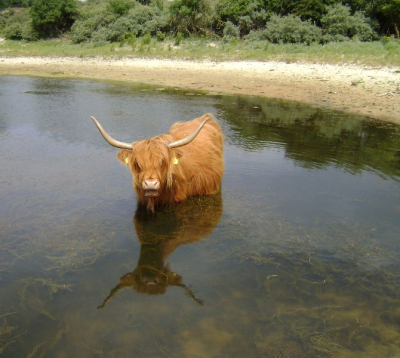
x=186 y=161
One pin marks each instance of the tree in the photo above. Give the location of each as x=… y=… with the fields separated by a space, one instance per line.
x=385 y=12
x=190 y=16
x=234 y=10
x=310 y=9
x=247 y=15
x=4 y=4
x=389 y=15
x=50 y=18
x=119 y=7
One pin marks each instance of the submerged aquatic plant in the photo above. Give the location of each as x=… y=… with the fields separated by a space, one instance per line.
x=7 y=333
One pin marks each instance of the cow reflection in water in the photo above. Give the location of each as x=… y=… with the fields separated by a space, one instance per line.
x=160 y=234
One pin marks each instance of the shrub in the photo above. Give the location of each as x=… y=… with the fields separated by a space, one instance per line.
x=391 y=45
x=290 y=29
x=230 y=31
x=82 y=30
x=13 y=32
x=246 y=14
x=19 y=27
x=178 y=39
x=139 y=21
x=233 y=10
x=334 y=38
x=160 y=36
x=339 y=25
x=92 y=16
x=190 y=16
x=146 y=39
x=4 y=16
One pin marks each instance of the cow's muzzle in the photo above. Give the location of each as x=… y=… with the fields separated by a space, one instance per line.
x=151 y=187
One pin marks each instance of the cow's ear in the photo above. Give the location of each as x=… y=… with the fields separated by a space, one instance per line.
x=124 y=156
x=177 y=153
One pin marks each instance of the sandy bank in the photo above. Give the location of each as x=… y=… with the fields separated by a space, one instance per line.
x=374 y=92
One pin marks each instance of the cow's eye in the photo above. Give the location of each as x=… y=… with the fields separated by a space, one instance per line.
x=136 y=166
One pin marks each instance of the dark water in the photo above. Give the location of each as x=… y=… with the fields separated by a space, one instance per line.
x=297 y=257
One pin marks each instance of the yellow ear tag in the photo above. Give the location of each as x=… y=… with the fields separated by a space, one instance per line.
x=175 y=160
x=126 y=161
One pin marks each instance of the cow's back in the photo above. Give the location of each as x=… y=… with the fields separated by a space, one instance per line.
x=200 y=161
x=211 y=132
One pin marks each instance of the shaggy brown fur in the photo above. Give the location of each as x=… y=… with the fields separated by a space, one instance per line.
x=198 y=170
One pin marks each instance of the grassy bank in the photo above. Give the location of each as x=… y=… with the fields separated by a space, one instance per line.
x=379 y=53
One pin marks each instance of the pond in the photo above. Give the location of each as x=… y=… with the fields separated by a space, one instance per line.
x=298 y=256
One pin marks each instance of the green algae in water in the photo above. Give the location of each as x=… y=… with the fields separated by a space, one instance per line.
x=7 y=336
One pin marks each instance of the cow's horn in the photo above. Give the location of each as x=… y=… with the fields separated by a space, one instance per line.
x=190 y=293
x=113 y=292
x=109 y=139
x=190 y=137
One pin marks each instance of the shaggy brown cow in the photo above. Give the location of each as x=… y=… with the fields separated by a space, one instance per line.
x=186 y=161
x=160 y=234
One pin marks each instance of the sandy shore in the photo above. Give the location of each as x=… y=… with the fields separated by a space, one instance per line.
x=373 y=92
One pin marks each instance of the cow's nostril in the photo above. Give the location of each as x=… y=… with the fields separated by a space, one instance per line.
x=151 y=184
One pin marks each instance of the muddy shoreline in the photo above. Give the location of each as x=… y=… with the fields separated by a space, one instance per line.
x=368 y=91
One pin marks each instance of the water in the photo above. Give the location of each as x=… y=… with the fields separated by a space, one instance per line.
x=298 y=256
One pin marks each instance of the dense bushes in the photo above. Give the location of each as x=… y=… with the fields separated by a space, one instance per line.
x=246 y=14
x=139 y=21
x=190 y=16
x=50 y=18
x=82 y=30
x=91 y=17
x=19 y=26
x=231 y=31
x=4 y=4
x=290 y=29
x=44 y=19
x=277 y=21
x=339 y=25
x=113 y=24
x=120 y=7
x=234 y=10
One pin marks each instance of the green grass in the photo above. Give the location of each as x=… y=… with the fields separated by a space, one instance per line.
x=379 y=53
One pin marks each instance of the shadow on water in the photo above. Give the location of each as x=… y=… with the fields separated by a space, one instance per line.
x=301 y=260
x=160 y=234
